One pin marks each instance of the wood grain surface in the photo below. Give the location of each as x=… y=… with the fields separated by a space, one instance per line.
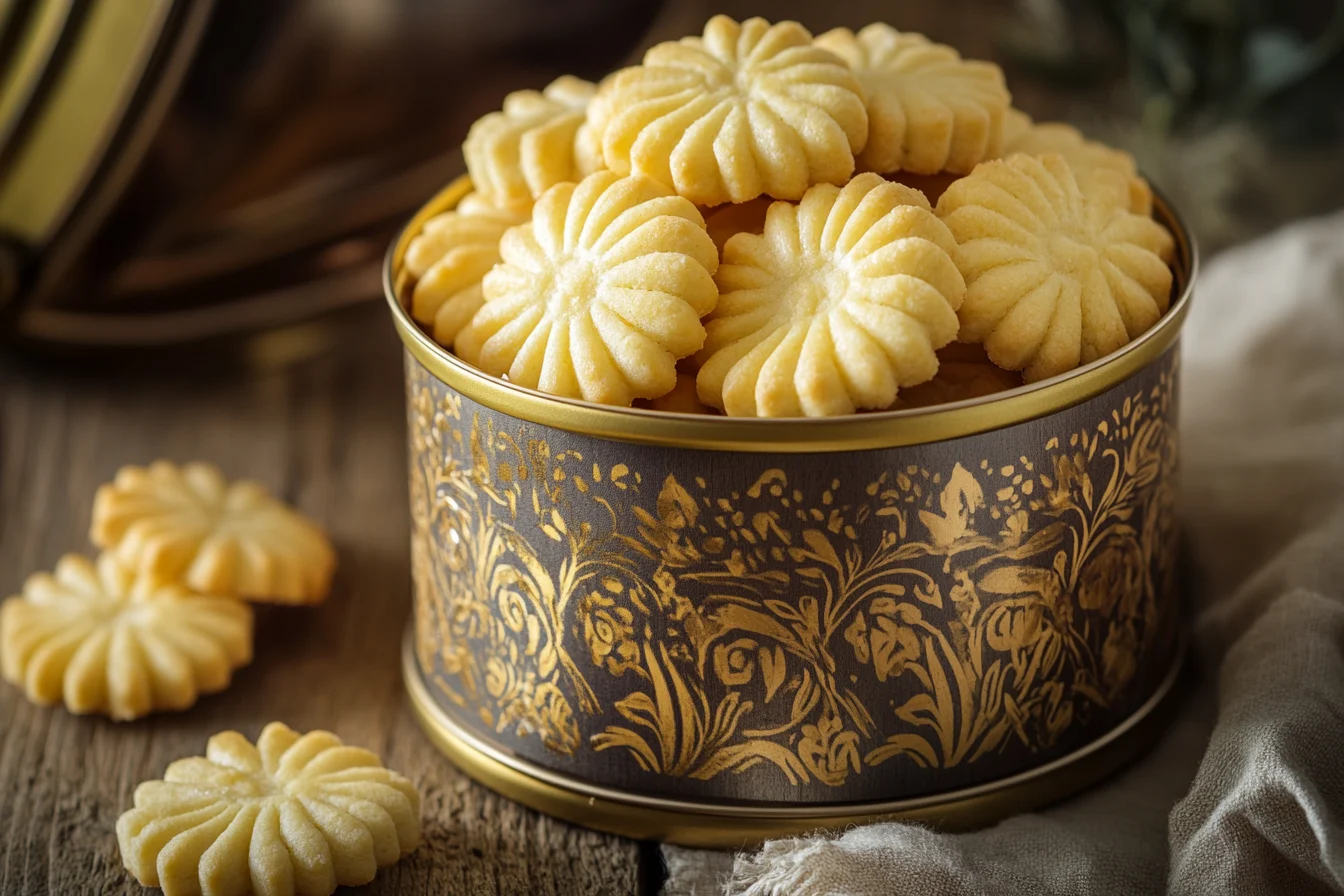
x=328 y=435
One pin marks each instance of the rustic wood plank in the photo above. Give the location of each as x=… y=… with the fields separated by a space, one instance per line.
x=327 y=434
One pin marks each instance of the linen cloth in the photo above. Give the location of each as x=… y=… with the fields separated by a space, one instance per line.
x=1245 y=793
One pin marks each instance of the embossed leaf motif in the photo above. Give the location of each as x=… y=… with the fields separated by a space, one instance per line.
x=857 y=635
x=960 y=498
x=676 y=507
x=773 y=669
x=1014 y=624
x=821 y=548
x=828 y=751
x=1015 y=527
x=1019 y=580
x=930 y=594
x=970 y=615
x=1113 y=573
x=893 y=646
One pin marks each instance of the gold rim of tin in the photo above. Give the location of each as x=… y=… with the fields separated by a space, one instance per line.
x=884 y=429
x=735 y=825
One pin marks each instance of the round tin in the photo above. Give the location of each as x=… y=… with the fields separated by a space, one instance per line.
x=711 y=630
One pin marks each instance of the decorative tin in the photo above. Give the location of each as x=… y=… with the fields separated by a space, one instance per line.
x=713 y=630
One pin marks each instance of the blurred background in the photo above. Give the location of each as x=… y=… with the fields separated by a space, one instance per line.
x=173 y=171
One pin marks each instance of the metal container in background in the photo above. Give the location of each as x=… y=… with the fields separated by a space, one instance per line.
x=715 y=630
x=173 y=170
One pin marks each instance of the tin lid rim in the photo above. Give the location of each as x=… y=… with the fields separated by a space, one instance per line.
x=881 y=429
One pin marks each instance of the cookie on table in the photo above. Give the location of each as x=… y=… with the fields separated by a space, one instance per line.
x=1059 y=271
x=742 y=111
x=533 y=143
x=448 y=258
x=600 y=295
x=1086 y=157
x=929 y=110
x=295 y=815
x=843 y=300
x=101 y=639
x=189 y=524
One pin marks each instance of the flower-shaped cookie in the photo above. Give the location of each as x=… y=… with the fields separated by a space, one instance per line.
x=448 y=258
x=928 y=109
x=189 y=524
x=1058 y=270
x=533 y=143
x=102 y=641
x=843 y=300
x=745 y=110
x=600 y=295
x=293 y=816
x=1087 y=158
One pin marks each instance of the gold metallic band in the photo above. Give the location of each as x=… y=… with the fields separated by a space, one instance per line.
x=886 y=429
x=729 y=825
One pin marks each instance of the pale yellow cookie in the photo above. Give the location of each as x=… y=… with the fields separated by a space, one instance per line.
x=533 y=143
x=448 y=258
x=190 y=524
x=101 y=640
x=842 y=301
x=599 y=295
x=588 y=140
x=742 y=111
x=1058 y=271
x=929 y=110
x=293 y=816
x=1087 y=158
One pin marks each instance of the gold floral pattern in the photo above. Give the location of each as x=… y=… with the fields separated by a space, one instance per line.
x=762 y=628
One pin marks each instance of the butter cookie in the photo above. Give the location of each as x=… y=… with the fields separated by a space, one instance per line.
x=448 y=258
x=292 y=816
x=600 y=295
x=100 y=639
x=745 y=110
x=532 y=144
x=843 y=300
x=929 y=110
x=1087 y=158
x=190 y=524
x=1059 y=272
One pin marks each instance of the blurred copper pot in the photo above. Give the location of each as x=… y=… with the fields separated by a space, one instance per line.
x=172 y=170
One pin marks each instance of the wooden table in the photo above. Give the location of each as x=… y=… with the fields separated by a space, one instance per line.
x=328 y=435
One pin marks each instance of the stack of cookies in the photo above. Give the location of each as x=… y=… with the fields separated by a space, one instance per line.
x=757 y=222
x=164 y=615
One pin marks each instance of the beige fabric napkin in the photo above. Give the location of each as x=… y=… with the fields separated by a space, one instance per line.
x=1245 y=794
